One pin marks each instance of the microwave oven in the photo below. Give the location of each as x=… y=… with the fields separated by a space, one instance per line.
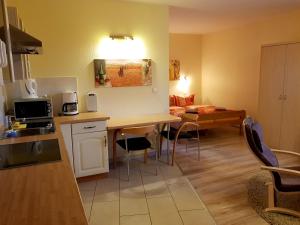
x=33 y=108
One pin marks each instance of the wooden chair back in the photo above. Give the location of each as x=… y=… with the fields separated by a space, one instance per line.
x=138 y=131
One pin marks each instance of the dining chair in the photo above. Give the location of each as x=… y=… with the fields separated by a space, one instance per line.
x=284 y=179
x=136 y=139
x=188 y=129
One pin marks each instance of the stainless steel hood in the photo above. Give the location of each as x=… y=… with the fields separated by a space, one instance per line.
x=21 y=42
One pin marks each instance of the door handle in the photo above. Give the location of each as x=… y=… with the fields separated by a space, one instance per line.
x=89 y=127
x=284 y=97
x=105 y=142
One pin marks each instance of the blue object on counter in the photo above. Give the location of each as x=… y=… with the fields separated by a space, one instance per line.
x=11 y=133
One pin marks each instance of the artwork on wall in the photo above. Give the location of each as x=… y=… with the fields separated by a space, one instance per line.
x=122 y=73
x=174 y=69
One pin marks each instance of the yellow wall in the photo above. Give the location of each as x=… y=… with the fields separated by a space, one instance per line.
x=231 y=60
x=71 y=31
x=187 y=49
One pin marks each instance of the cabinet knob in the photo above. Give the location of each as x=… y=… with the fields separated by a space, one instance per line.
x=284 y=97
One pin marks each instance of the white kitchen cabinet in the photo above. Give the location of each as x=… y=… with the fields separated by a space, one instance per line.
x=67 y=135
x=90 y=153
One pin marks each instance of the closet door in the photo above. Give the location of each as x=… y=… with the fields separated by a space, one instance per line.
x=290 y=128
x=271 y=91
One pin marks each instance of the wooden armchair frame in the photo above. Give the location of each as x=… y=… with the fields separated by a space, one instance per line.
x=271 y=193
x=285 y=152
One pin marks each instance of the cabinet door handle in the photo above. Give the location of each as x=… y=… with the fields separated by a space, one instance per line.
x=105 y=142
x=284 y=97
x=89 y=127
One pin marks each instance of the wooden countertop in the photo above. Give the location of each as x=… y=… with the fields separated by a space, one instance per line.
x=141 y=120
x=44 y=194
x=82 y=117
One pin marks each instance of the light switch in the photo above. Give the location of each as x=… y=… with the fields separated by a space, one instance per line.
x=154 y=90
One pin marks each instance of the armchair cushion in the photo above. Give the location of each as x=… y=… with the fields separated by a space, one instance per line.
x=172 y=135
x=265 y=154
x=289 y=183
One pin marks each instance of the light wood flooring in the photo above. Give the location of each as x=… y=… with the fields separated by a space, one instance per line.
x=221 y=175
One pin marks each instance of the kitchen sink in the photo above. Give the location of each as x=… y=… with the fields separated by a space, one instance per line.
x=31 y=131
x=29 y=153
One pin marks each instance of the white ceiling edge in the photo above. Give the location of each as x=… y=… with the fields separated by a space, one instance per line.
x=190 y=21
x=208 y=16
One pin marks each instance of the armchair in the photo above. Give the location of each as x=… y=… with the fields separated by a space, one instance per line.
x=285 y=179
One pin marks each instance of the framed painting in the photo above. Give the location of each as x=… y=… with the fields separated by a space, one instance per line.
x=174 y=69
x=122 y=73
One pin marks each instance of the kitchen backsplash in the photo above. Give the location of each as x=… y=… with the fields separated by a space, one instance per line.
x=51 y=86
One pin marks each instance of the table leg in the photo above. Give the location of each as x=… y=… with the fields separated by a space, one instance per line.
x=158 y=147
x=168 y=143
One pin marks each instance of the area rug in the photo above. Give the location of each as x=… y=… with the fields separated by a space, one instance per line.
x=257 y=195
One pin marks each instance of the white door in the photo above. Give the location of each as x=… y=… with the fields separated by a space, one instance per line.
x=271 y=92
x=90 y=153
x=290 y=131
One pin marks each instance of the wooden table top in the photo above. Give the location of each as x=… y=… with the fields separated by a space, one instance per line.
x=141 y=120
x=44 y=194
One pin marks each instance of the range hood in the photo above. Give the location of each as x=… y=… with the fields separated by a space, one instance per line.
x=21 y=42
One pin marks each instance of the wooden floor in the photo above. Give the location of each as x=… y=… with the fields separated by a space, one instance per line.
x=221 y=175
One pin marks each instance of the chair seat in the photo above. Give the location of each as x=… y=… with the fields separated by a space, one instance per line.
x=135 y=144
x=289 y=183
x=172 y=135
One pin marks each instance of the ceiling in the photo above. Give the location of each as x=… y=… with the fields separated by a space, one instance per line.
x=204 y=16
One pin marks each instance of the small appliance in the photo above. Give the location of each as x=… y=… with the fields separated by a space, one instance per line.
x=70 y=103
x=35 y=116
x=32 y=108
x=28 y=88
x=91 y=102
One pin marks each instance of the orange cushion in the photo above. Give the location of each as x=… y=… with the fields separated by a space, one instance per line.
x=190 y=100
x=176 y=110
x=180 y=101
x=184 y=101
x=172 y=100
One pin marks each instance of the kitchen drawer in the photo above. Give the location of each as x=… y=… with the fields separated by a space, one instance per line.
x=80 y=128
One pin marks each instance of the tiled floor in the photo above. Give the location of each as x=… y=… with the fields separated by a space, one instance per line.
x=165 y=199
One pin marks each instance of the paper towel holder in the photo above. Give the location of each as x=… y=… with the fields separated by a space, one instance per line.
x=91 y=102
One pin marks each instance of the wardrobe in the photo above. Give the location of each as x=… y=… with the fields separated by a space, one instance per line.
x=279 y=96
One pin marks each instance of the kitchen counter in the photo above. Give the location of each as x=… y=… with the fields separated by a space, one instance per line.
x=81 y=118
x=43 y=194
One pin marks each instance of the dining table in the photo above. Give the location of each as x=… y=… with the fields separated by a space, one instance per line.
x=160 y=120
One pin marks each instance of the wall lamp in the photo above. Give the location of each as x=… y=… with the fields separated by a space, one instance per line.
x=184 y=84
x=121 y=37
